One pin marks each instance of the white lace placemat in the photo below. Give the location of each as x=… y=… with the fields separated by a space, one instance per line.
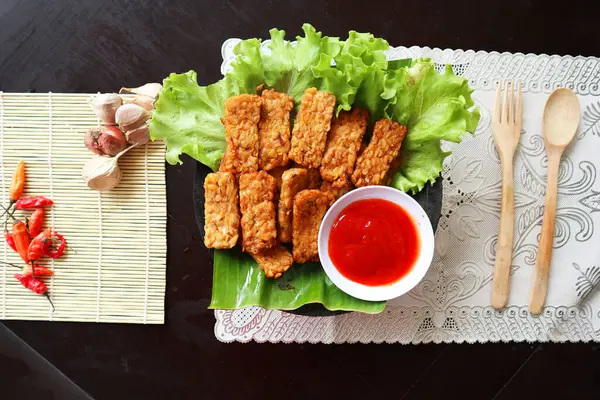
x=452 y=303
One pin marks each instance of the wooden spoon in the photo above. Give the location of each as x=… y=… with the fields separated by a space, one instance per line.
x=560 y=121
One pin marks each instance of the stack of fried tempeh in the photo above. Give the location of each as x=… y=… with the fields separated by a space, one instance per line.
x=279 y=204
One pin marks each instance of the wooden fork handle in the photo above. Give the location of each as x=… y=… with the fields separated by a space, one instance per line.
x=541 y=272
x=504 y=250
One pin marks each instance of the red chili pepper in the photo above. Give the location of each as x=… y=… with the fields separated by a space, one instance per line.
x=36 y=221
x=24 y=279
x=21 y=238
x=10 y=241
x=33 y=202
x=37 y=248
x=35 y=285
x=39 y=271
x=60 y=249
x=18 y=182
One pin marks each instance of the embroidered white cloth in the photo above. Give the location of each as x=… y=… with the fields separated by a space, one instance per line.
x=452 y=303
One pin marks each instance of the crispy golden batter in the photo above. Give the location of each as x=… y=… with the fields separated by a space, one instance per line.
x=274 y=129
x=274 y=261
x=337 y=191
x=343 y=142
x=373 y=164
x=257 y=204
x=310 y=207
x=292 y=181
x=242 y=114
x=311 y=126
x=221 y=217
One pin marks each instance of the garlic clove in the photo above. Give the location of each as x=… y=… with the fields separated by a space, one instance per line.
x=146 y=95
x=105 y=106
x=145 y=102
x=102 y=173
x=139 y=135
x=149 y=89
x=131 y=116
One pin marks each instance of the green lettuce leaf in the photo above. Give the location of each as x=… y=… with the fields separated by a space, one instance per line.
x=363 y=62
x=247 y=69
x=434 y=107
x=238 y=282
x=188 y=118
x=419 y=166
x=291 y=69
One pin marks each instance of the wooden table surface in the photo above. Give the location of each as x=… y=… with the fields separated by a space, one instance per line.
x=101 y=45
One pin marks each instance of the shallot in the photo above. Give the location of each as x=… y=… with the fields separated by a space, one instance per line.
x=106 y=140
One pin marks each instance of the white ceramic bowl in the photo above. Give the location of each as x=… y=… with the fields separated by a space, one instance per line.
x=424 y=230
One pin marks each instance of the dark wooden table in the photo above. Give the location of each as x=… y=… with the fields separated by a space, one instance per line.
x=101 y=45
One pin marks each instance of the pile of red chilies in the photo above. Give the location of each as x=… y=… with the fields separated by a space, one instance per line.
x=27 y=238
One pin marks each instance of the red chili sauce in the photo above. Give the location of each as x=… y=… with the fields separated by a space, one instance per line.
x=374 y=242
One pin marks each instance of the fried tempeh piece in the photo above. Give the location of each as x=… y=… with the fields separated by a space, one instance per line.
x=311 y=126
x=274 y=129
x=277 y=173
x=343 y=187
x=242 y=114
x=314 y=178
x=394 y=166
x=257 y=204
x=274 y=261
x=310 y=207
x=221 y=216
x=373 y=164
x=293 y=181
x=343 y=142
x=361 y=149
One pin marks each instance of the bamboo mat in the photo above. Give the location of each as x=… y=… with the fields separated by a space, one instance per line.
x=115 y=269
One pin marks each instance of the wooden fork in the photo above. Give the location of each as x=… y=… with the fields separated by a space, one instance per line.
x=506 y=129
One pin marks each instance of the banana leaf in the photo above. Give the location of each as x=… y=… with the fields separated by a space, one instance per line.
x=238 y=282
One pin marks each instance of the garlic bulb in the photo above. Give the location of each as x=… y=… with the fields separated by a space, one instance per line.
x=131 y=116
x=146 y=95
x=105 y=106
x=139 y=135
x=102 y=173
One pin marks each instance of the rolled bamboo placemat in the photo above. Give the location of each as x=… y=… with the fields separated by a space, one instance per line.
x=114 y=269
